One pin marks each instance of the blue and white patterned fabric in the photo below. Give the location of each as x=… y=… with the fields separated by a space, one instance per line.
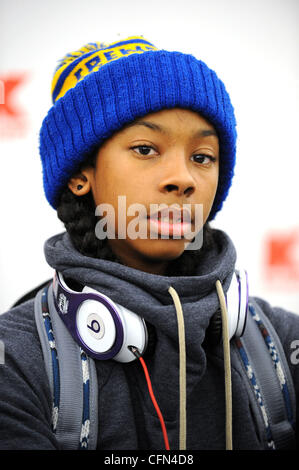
x=85 y=417
x=276 y=362
x=55 y=363
x=278 y=369
x=84 y=436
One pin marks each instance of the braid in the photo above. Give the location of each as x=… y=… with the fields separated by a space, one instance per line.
x=78 y=215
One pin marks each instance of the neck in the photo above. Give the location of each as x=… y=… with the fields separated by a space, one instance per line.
x=145 y=264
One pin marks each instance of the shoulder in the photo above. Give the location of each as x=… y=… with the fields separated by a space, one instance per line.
x=25 y=396
x=20 y=340
x=22 y=315
x=17 y=327
x=23 y=362
x=285 y=323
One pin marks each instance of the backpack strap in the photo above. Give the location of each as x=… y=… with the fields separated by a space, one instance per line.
x=74 y=395
x=268 y=380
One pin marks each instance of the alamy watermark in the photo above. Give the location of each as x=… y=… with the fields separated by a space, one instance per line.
x=2 y=353
x=295 y=354
x=159 y=221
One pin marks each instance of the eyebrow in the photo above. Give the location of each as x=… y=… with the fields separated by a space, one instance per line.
x=162 y=130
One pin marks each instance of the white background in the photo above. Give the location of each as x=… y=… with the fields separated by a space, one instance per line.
x=253 y=47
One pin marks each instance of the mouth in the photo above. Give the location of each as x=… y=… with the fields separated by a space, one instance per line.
x=171 y=222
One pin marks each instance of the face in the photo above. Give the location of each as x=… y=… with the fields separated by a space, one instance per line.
x=168 y=158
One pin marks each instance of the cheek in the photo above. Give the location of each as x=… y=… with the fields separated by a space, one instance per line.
x=108 y=183
x=209 y=193
x=214 y=179
x=214 y=185
x=119 y=173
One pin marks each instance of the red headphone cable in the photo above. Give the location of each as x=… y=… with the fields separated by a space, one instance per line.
x=137 y=354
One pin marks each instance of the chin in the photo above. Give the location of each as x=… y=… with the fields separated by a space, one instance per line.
x=164 y=250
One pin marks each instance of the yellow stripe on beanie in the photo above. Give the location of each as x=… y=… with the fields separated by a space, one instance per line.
x=89 y=58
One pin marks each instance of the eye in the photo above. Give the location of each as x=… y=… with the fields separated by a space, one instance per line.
x=203 y=159
x=144 y=150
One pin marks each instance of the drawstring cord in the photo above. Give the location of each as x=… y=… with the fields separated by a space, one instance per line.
x=182 y=366
x=227 y=367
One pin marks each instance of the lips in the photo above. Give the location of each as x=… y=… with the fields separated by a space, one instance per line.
x=170 y=222
x=172 y=215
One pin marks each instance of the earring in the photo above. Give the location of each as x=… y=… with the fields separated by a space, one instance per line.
x=79 y=187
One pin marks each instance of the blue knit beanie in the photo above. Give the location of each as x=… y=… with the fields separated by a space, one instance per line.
x=100 y=88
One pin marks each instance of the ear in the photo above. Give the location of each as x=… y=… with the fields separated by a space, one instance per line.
x=80 y=183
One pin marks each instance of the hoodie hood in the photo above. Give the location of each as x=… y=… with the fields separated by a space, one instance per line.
x=148 y=296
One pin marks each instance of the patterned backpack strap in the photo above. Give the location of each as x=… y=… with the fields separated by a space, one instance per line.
x=72 y=378
x=269 y=382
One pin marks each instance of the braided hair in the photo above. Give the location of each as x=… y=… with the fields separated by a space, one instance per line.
x=78 y=216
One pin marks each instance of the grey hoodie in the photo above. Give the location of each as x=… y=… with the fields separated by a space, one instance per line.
x=127 y=419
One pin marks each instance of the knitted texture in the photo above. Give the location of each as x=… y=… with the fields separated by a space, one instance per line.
x=101 y=101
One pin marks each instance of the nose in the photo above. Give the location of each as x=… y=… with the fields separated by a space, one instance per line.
x=177 y=178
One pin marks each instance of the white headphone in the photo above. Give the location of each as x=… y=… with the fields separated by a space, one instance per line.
x=105 y=329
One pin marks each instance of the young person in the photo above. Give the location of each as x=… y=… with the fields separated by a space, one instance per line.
x=138 y=153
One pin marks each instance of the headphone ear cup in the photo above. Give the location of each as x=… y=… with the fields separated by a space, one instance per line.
x=237 y=305
x=135 y=334
x=133 y=328
x=102 y=328
x=95 y=326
